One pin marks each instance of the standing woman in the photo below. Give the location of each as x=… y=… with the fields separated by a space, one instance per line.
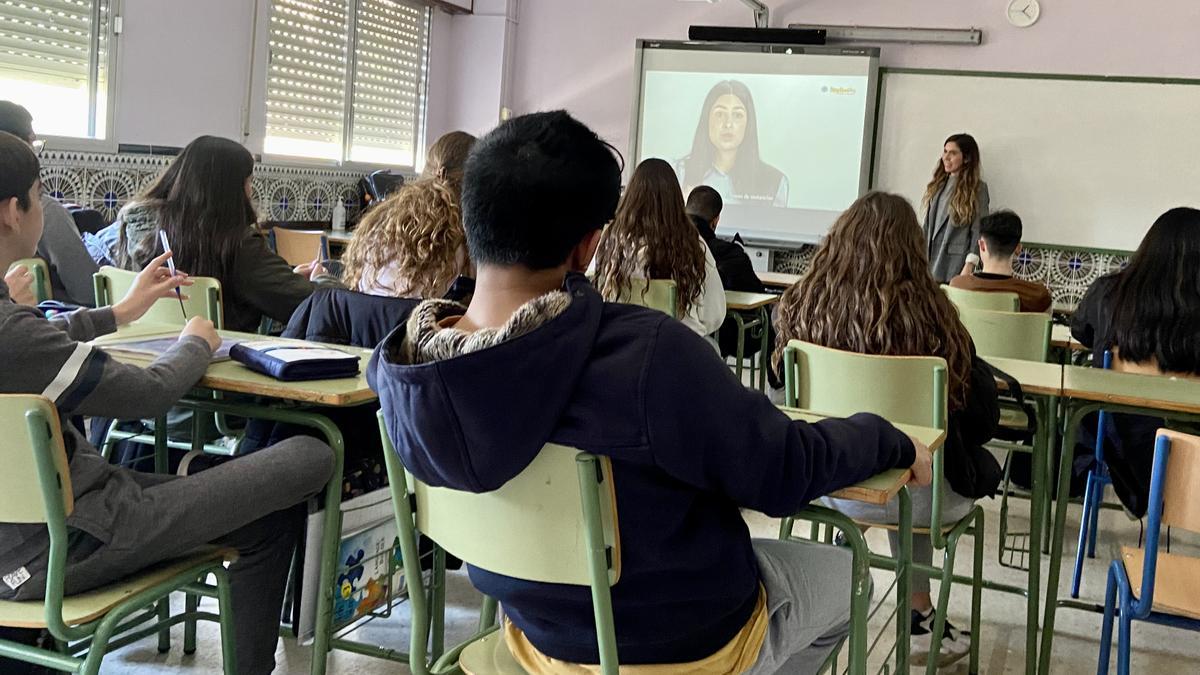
x=955 y=200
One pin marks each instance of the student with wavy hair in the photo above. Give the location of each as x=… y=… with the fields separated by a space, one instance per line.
x=446 y=159
x=653 y=238
x=955 y=201
x=202 y=201
x=869 y=291
x=1149 y=315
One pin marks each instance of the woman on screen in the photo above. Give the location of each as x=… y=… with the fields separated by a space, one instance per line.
x=725 y=151
x=955 y=200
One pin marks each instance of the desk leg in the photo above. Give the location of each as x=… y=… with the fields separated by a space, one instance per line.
x=1038 y=504
x=161 y=465
x=331 y=539
x=1062 y=501
x=764 y=325
x=904 y=583
x=741 y=342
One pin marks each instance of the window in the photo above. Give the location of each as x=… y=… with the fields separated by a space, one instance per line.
x=345 y=79
x=54 y=60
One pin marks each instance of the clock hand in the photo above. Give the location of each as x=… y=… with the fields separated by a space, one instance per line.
x=1025 y=10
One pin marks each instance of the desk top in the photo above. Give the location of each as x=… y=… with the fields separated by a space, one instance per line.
x=779 y=279
x=1158 y=392
x=233 y=377
x=1035 y=377
x=339 y=236
x=878 y=489
x=1060 y=336
x=745 y=301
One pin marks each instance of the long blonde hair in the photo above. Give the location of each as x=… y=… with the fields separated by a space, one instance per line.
x=964 y=203
x=869 y=291
x=446 y=159
x=417 y=235
x=652 y=238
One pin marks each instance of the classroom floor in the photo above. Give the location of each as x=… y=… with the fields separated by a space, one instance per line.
x=1157 y=649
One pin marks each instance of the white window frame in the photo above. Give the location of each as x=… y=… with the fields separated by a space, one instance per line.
x=348 y=125
x=109 y=143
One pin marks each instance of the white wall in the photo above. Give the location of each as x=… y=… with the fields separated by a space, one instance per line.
x=470 y=54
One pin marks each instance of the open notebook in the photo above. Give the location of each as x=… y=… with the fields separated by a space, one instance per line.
x=156 y=346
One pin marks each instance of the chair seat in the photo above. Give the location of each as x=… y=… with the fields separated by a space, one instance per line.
x=87 y=607
x=489 y=656
x=1173 y=589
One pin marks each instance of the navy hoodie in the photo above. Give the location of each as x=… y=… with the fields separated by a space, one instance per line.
x=689 y=445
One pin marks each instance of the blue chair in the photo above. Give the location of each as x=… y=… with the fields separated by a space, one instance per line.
x=1152 y=586
x=1093 y=496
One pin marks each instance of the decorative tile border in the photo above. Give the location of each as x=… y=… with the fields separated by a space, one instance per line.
x=1067 y=273
x=106 y=182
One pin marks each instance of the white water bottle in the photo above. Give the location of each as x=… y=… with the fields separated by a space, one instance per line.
x=339 y=216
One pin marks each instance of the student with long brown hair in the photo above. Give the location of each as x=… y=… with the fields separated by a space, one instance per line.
x=869 y=291
x=446 y=159
x=955 y=200
x=653 y=238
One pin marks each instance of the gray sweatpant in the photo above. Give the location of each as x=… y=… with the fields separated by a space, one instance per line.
x=808 y=604
x=254 y=504
x=954 y=507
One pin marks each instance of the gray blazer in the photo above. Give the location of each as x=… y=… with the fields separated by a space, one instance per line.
x=948 y=244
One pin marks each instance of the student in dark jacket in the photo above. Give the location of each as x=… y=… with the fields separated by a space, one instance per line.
x=869 y=291
x=538 y=357
x=737 y=273
x=1149 y=315
x=202 y=202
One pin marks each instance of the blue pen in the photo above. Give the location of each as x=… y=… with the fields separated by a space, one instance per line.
x=162 y=235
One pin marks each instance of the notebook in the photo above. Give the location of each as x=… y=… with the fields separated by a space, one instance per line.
x=156 y=346
x=295 y=361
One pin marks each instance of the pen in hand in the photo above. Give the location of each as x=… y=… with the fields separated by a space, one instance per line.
x=162 y=235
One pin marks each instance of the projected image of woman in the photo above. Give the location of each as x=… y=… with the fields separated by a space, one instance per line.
x=725 y=151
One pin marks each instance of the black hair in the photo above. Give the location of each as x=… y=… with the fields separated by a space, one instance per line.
x=18 y=169
x=1002 y=232
x=16 y=120
x=535 y=187
x=202 y=206
x=1156 y=309
x=753 y=179
x=704 y=202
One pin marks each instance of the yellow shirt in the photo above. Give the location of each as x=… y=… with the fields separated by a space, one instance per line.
x=737 y=656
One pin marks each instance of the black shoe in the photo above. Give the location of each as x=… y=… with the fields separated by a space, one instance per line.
x=955 y=643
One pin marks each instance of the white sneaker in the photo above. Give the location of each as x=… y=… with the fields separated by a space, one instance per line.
x=955 y=643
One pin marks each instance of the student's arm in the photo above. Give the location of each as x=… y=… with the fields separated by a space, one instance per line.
x=1087 y=317
x=1042 y=300
x=267 y=282
x=83 y=380
x=63 y=249
x=979 y=419
x=708 y=430
x=710 y=306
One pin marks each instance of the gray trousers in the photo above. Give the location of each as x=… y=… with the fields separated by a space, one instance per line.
x=808 y=604
x=954 y=507
x=253 y=504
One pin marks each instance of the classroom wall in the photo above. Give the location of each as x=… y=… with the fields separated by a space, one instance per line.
x=578 y=54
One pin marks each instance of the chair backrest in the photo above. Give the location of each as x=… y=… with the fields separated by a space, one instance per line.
x=903 y=389
x=1180 y=480
x=203 y=298
x=300 y=246
x=660 y=294
x=1009 y=335
x=41 y=276
x=998 y=301
x=35 y=476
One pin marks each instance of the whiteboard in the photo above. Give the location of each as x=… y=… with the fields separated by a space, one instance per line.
x=1086 y=163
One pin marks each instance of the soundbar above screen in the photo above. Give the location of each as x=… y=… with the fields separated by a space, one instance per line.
x=782 y=132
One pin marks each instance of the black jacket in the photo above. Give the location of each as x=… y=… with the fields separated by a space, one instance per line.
x=737 y=274
x=971 y=469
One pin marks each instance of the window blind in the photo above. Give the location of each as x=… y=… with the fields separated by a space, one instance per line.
x=391 y=49
x=49 y=39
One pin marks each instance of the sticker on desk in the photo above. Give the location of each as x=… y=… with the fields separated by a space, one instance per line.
x=15 y=578
x=290 y=352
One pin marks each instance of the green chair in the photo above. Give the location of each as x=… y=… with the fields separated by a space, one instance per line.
x=905 y=390
x=41 y=276
x=203 y=298
x=995 y=301
x=657 y=294
x=36 y=484
x=1011 y=335
x=555 y=522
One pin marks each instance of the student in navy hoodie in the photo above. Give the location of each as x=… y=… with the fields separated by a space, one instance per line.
x=538 y=357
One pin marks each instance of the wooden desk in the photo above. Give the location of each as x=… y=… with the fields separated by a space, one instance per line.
x=1060 y=337
x=1035 y=377
x=235 y=378
x=737 y=302
x=339 y=237
x=778 y=279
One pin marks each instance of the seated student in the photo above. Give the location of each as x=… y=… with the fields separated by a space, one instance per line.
x=737 y=273
x=124 y=521
x=71 y=268
x=999 y=243
x=869 y=291
x=651 y=237
x=446 y=158
x=202 y=202
x=539 y=357
x=1148 y=314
